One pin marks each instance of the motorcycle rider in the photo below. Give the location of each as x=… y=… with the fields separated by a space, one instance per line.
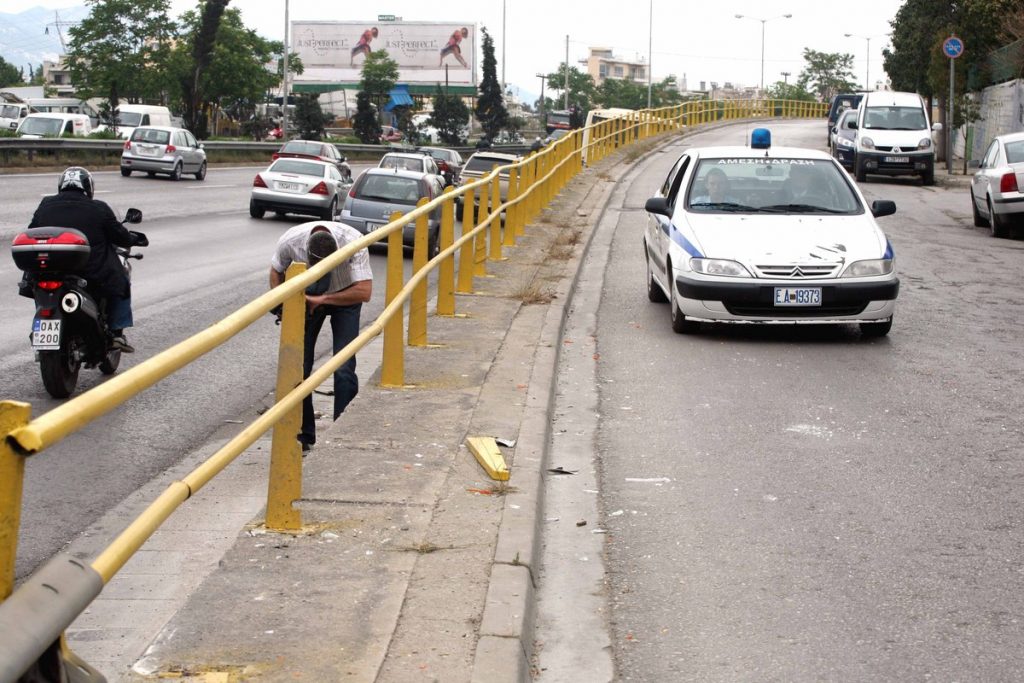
x=74 y=207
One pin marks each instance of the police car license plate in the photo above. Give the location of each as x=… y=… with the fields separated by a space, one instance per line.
x=896 y=160
x=798 y=296
x=46 y=334
x=287 y=187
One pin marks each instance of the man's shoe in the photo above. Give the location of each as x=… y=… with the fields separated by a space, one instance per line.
x=119 y=342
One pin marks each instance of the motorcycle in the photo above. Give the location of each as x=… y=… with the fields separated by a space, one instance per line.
x=69 y=328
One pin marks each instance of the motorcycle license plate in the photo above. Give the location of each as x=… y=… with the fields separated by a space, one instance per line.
x=46 y=334
x=798 y=296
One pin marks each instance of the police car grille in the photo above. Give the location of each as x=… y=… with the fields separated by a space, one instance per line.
x=797 y=272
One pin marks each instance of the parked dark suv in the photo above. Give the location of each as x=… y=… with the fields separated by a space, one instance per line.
x=841 y=102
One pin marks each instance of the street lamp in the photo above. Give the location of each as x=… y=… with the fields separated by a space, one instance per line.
x=543 y=79
x=867 y=56
x=763 y=22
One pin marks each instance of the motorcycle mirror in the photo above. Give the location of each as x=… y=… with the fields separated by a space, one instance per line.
x=140 y=238
x=133 y=216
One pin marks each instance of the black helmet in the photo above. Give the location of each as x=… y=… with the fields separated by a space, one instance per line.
x=76 y=178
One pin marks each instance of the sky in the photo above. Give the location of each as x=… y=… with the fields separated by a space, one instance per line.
x=703 y=40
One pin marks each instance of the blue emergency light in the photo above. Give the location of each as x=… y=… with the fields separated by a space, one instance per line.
x=761 y=138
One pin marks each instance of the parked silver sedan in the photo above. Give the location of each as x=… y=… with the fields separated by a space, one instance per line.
x=303 y=186
x=996 y=198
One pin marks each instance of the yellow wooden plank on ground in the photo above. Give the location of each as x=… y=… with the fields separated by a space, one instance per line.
x=485 y=449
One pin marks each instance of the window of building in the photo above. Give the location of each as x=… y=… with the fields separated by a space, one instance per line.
x=618 y=71
x=602 y=70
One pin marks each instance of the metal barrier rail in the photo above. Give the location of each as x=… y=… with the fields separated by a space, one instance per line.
x=33 y=619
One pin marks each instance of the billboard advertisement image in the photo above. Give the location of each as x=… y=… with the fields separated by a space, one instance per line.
x=426 y=52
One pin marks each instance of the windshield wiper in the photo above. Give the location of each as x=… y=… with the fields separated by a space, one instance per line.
x=722 y=206
x=801 y=208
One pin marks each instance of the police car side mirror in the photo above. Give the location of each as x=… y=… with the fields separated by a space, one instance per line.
x=658 y=205
x=883 y=207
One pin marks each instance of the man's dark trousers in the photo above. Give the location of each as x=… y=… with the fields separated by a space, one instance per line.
x=344 y=328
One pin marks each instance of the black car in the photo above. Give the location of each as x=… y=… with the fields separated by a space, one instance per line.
x=841 y=102
x=449 y=162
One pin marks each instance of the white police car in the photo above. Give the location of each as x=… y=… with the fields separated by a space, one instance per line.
x=770 y=236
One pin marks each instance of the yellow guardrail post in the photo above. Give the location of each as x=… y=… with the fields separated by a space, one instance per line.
x=392 y=371
x=495 y=238
x=480 y=241
x=284 y=485
x=13 y=414
x=512 y=215
x=446 y=271
x=465 y=284
x=418 y=300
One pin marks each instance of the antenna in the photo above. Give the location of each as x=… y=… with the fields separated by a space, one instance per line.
x=57 y=23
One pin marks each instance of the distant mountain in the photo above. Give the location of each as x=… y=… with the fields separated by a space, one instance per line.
x=24 y=39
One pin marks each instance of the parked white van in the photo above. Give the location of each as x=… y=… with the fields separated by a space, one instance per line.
x=11 y=114
x=53 y=124
x=132 y=116
x=894 y=136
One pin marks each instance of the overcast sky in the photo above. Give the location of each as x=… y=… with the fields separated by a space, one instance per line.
x=701 y=39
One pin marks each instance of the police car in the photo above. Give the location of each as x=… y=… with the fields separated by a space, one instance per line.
x=768 y=236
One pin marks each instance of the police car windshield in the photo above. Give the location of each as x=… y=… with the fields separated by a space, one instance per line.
x=770 y=185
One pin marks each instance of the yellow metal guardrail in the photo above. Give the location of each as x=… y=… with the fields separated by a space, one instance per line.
x=532 y=183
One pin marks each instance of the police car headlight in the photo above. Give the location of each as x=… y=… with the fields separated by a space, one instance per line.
x=925 y=143
x=717 y=266
x=869 y=268
x=867 y=143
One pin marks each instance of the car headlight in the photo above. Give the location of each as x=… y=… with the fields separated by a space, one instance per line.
x=867 y=143
x=717 y=266
x=925 y=143
x=846 y=142
x=869 y=268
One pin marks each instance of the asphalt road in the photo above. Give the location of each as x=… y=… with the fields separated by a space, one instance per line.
x=797 y=504
x=207 y=258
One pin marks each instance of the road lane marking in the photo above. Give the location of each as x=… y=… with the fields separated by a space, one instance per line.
x=204 y=185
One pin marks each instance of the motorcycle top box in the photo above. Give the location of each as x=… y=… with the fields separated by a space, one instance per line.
x=50 y=250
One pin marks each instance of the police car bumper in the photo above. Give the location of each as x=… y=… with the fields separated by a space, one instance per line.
x=755 y=302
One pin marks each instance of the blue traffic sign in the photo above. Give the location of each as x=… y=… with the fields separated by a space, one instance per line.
x=953 y=47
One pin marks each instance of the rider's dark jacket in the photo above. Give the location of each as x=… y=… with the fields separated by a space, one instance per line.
x=95 y=218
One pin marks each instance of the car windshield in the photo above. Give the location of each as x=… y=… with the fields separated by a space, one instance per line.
x=10 y=111
x=298 y=147
x=403 y=163
x=40 y=126
x=771 y=185
x=298 y=167
x=894 y=118
x=389 y=188
x=486 y=164
x=1015 y=152
x=157 y=137
x=129 y=118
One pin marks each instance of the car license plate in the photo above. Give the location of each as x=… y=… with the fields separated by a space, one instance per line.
x=149 y=151
x=45 y=334
x=287 y=187
x=896 y=160
x=798 y=296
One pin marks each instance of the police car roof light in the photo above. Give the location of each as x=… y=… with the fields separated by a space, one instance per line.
x=761 y=138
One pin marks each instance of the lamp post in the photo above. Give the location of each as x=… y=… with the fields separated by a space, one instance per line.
x=650 y=47
x=284 y=80
x=543 y=79
x=867 y=55
x=763 y=22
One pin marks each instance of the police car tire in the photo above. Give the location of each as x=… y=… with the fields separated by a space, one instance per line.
x=655 y=294
x=680 y=323
x=979 y=220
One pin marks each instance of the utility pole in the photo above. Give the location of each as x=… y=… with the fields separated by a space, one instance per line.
x=503 y=43
x=650 y=46
x=543 y=79
x=567 y=72
x=284 y=83
x=785 y=77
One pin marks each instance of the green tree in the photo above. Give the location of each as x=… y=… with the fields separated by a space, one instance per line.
x=826 y=73
x=789 y=91
x=404 y=123
x=450 y=117
x=310 y=118
x=582 y=91
x=378 y=77
x=9 y=74
x=490 y=106
x=366 y=125
x=203 y=40
x=122 y=44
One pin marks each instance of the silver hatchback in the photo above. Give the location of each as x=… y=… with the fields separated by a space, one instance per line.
x=379 y=192
x=161 y=149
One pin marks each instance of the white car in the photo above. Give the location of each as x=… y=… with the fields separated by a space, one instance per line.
x=770 y=236
x=996 y=197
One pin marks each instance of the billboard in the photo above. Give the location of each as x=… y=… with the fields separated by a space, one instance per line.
x=426 y=52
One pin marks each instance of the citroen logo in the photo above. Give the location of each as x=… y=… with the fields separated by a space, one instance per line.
x=796 y=272
x=896 y=150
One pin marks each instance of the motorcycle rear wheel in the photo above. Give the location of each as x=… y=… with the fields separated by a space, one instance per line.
x=108 y=366
x=59 y=369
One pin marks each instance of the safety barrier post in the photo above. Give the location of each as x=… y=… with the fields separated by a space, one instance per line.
x=392 y=370
x=465 y=284
x=512 y=215
x=534 y=165
x=418 y=300
x=446 y=271
x=284 y=485
x=495 y=238
x=480 y=243
x=13 y=415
